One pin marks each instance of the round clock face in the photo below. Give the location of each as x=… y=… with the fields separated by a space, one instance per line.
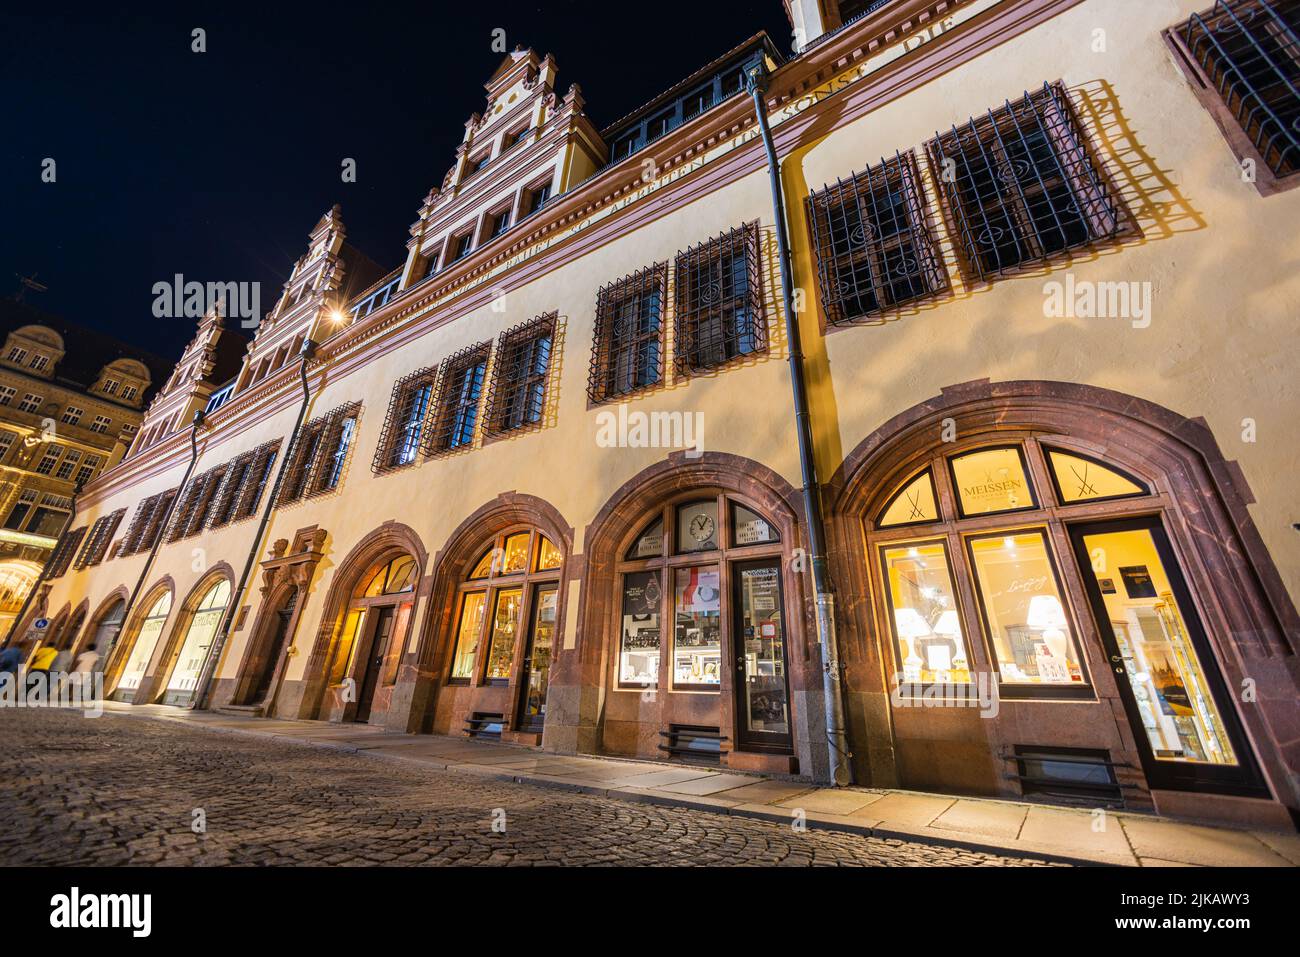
x=701 y=528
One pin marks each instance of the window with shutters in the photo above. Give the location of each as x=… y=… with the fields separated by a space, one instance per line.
x=628 y=348
x=101 y=533
x=1021 y=186
x=457 y=409
x=874 y=248
x=408 y=410
x=719 y=302
x=519 y=376
x=192 y=513
x=61 y=557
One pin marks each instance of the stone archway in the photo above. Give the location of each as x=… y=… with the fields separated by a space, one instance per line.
x=114 y=600
x=154 y=611
x=193 y=613
x=316 y=695
x=1201 y=499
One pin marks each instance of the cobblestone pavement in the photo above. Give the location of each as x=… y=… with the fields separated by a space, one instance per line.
x=123 y=790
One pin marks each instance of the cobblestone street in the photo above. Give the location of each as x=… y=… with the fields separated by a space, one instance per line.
x=124 y=790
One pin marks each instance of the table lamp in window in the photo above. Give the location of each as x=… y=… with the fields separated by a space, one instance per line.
x=946 y=653
x=1047 y=616
x=912 y=627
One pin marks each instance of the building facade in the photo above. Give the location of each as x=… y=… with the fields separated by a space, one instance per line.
x=541 y=481
x=71 y=401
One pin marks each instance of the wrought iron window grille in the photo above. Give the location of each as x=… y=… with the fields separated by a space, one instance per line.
x=404 y=425
x=460 y=391
x=241 y=486
x=1020 y=185
x=627 y=351
x=317 y=459
x=874 y=248
x=1248 y=52
x=101 y=533
x=719 y=305
x=519 y=377
x=61 y=557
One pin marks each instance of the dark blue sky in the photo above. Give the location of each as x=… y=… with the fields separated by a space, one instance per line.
x=216 y=165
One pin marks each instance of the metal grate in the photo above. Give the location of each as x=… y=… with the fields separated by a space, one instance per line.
x=1021 y=185
x=456 y=411
x=192 y=511
x=61 y=557
x=259 y=473
x=874 y=248
x=518 y=393
x=241 y=485
x=340 y=433
x=719 y=301
x=399 y=442
x=627 y=352
x=147 y=523
x=1250 y=54
x=101 y=533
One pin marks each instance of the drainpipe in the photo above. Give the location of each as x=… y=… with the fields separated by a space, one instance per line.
x=840 y=768
x=195 y=425
x=45 y=568
x=202 y=689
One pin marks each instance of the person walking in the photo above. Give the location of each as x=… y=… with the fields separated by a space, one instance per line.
x=12 y=658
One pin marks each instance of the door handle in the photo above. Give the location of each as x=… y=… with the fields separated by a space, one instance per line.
x=1116 y=658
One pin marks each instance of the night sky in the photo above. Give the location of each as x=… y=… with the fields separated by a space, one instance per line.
x=216 y=165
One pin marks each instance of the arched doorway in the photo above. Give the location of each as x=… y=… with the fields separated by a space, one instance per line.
x=1030 y=612
x=142 y=645
x=204 y=620
x=67 y=637
x=376 y=622
x=264 y=661
x=104 y=631
x=502 y=640
x=16 y=579
x=694 y=620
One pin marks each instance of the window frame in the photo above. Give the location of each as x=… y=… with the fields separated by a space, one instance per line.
x=607 y=352
x=407 y=421
x=514 y=375
x=691 y=311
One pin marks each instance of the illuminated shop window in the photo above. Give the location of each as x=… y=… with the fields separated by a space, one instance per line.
x=468 y=629
x=145 y=640
x=198 y=638
x=1081 y=479
x=992 y=480
x=640 y=636
x=697 y=628
x=912 y=504
x=928 y=642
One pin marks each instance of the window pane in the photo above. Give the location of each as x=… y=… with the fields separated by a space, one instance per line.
x=991 y=480
x=505 y=622
x=928 y=641
x=750 y=528
x=697 y=526
x=401 y=575
x=650 y=543
x=1023 y=610
x=483 y=567
x=638 y=662
x=515 y=557
x=766 y=707
x=548 y=556
x=203 y=628
x=913 y=503
x=1082 y=480
x=467 y=632
x=697 y=637
x=1179 y=714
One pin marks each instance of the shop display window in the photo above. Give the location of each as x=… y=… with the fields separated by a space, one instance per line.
x=505 y=624
x=697 y=633
x=992 y=480
x=640 y=636
x=469 y=627
x=912 y=504
x=650 y=543
x=929 y=645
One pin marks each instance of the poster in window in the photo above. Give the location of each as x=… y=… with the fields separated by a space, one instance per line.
x=1137 y=581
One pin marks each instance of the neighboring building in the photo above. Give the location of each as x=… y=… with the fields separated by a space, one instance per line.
x=71 y=400
x=1050 y=391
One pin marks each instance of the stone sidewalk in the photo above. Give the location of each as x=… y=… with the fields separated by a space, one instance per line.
x=1054 y=833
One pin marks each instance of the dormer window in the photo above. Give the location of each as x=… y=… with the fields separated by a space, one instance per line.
x=129 y=392
x=477 y=163
x=512 y=139
x=539 y=196
x=111 y=386
x=39 y=362
x=17 y=354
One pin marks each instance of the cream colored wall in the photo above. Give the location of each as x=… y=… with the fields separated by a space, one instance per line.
x=1223 y=302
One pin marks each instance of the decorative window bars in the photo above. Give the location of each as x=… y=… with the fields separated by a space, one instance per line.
x=1248 y=51
x=517 y=397
x=408 y=409
x=242 y=485
x=628 y=348
x=147 y=523
x=101 y=533
x=719 y=315
x=874 y=247
x=191 y=511
x=1021 y=186
x=316 y=463
x=61 y=557
x=457 y=409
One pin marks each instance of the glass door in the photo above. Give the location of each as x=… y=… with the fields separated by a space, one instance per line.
x=1184 y=722
x=375 y=660
x=537 y=661
x=762 y=684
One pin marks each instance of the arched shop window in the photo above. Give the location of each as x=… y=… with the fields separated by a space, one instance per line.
x=378 y=614
x=701 y=592
x=515 y=579
x=106 y=632
x=198 y=639
x=146 y=639
x=978 y=552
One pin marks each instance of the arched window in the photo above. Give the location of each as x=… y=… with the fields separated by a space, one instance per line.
x=377 y=618
x=1005 y=558
x=146 y=639
x=106 y=632
x=198 y=639
x=702 y=598
x=515 y=579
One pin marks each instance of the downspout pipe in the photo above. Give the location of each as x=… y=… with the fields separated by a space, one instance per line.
x=841 y=770
x=195 y=425
x=202 y=690
x=45 y=570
